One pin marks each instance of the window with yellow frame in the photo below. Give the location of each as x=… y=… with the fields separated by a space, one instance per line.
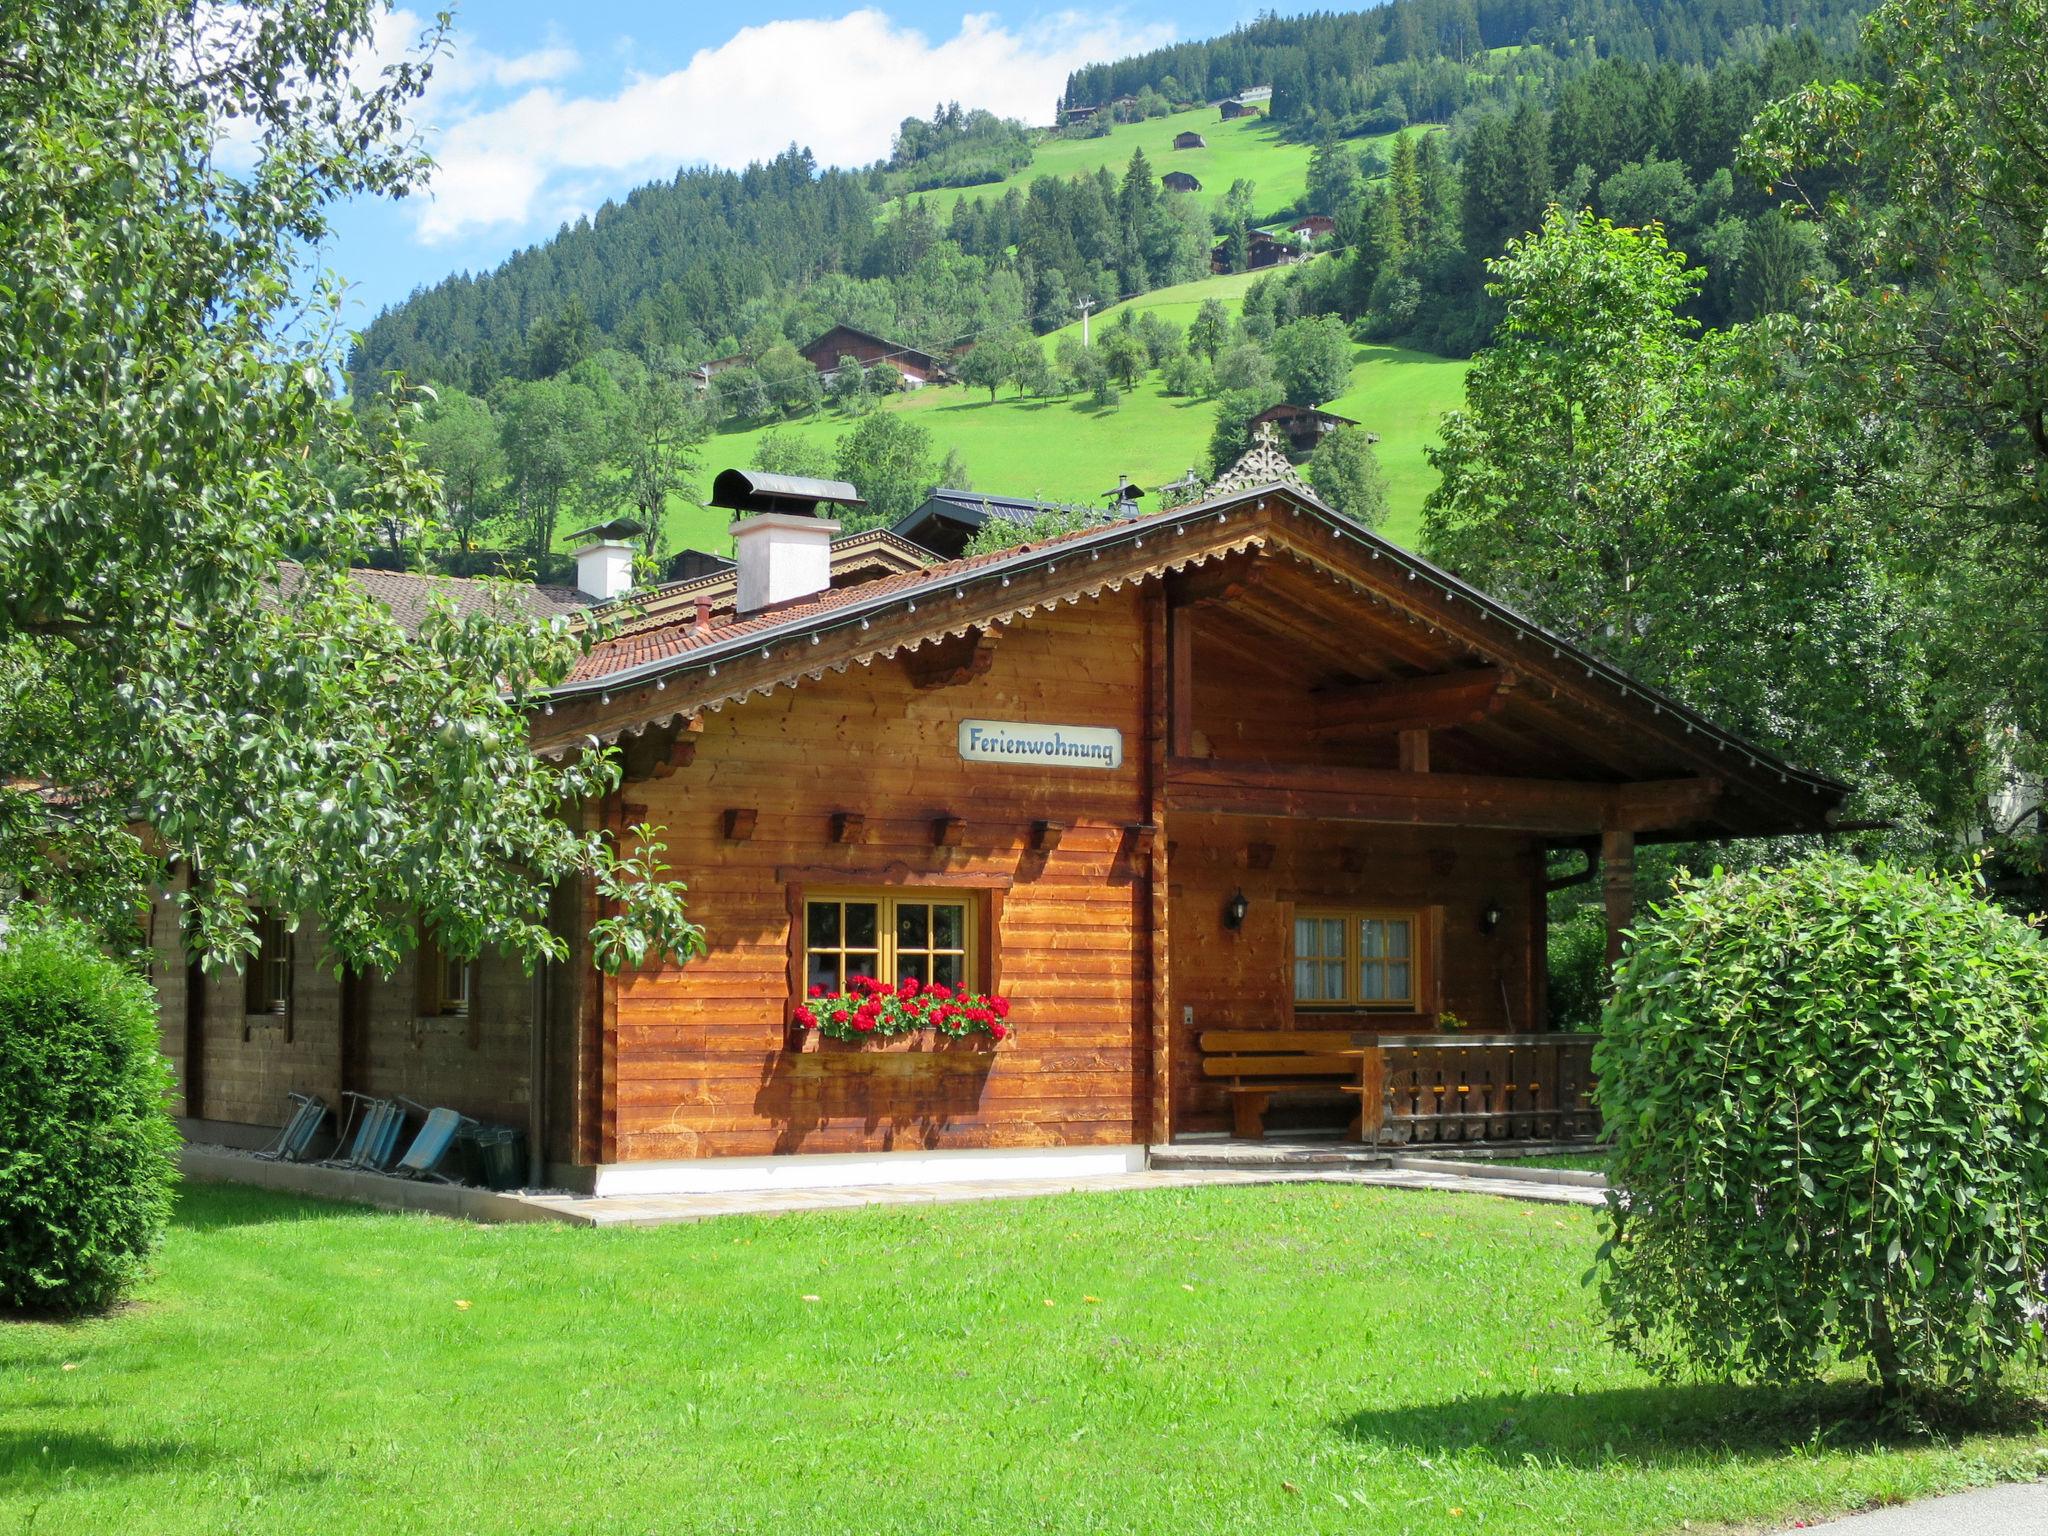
x=926 y=934
x=1357 y=958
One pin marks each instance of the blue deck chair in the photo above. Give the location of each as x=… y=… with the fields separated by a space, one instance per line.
x=299 y=1131
x=431 y=1146
x=377 y=1123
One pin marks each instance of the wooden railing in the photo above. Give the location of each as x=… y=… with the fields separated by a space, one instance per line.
x=1459 y=1087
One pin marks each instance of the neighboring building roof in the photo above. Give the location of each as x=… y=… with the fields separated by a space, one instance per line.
x=947 y=519
x=410 y=595
x=617 y=528
x=1287 y=411
x=856 y=558
x=1599 y=713
x=1180 y=181
x=896 y=350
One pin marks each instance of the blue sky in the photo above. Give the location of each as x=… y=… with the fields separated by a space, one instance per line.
x=545 y=109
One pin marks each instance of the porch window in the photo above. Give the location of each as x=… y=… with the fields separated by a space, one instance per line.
x=1356 y=959
x=267 y=984
x=921 y=935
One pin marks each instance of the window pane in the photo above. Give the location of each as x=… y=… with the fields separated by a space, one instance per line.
x=822 y=928
x=1333 y=980
x=1398 y=938
x=1333 y=936
x=913 y=925
x=1306 y=931
x=824 y=971
x=950 y=969
x=1372 y=939
x=863 y=925
x=1397 y=981
x=949 y=927
x=1372 y=980
x=1308 y=982
x=913 y=965
x=863 y=964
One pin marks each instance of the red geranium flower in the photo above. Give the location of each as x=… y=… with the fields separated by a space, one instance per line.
x=940 y=990
x=999 y=1031
x=805 y=1017
x=817 y=991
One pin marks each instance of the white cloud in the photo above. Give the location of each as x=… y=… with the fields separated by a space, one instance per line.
x=839 y=86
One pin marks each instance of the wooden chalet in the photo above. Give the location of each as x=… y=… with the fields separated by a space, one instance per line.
x=1300 y=426
x=1234 y=107
x=1237 y=803
x=1180 y=181
x=1189 y=139
x=1317 y=226
x=1261 y=250
x=918 y=367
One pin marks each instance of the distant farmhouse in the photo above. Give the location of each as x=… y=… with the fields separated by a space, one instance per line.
x=1317 y=226
x=1179 y=181
x=1189 y=140
x=1302 y=426
x=1249 y=102
x=918 y=367
x=1261 y=250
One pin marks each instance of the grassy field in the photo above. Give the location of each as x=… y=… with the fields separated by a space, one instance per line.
x=1069 y=450
x=1301 y=1359
x=1249 y=147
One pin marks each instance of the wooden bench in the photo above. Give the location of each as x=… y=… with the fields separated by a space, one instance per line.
x=1255 y=1065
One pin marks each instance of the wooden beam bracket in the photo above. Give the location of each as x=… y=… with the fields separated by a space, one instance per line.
x=739 y=823
x=950 y=662
x=1046 y=835
x=848 y=826
x=947 y=831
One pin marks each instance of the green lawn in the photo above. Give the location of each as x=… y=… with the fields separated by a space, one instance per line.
x=1298 y=1358
x=1249 y=147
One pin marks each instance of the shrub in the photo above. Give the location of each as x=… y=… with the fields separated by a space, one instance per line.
x=1827 y=1094
x=1578 y=968
x=87 y=1148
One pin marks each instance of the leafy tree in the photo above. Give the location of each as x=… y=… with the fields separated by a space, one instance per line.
x=1247 y=369
x=459 y=441
x=1124 y=355
x=1052 y=522
x=555 y=435
x=888 y=457
x=1332 y=172
x=988 y=365
x=788 y=380
x=1231 y=438
x=1778 y=257
x=1186 y=373
x=737 y=394
x=849 y=385
x=1825 y=1085
x=1346 y=473
x=656 y=429
x=1209 y=332
x=1030 y=370
x=784 y=451
x=164 y=416
x=88 y=1157
x=1312 y=357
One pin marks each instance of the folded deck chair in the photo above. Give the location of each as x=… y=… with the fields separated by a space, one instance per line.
x=377 y=1123
x=430 y=1147
x=299 y=1131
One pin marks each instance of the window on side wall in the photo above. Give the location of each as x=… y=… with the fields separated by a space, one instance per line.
x=928 y=935
x=446 y=982
x=1358 y=958
x=267 y=982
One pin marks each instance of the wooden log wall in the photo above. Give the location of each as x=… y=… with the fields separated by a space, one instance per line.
x=850 y=781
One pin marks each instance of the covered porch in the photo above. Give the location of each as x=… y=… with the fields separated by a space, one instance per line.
x=1363 y=804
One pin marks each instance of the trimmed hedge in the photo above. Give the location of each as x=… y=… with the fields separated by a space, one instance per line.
x=1828 y=1093
x=87 y=1148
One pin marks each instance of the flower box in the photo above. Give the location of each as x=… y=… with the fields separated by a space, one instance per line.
x=874 y=1016
x=810 y=1042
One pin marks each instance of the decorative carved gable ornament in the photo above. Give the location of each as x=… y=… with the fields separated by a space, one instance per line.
x=1263 y=464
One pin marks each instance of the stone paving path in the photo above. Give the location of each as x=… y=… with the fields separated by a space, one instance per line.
x=658 y=1210
x=2017 y=1509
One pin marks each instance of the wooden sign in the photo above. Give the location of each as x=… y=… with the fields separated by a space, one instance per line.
x=1041 y=746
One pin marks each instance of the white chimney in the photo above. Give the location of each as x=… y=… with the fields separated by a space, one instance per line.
x=604 y=570
x=782 y=556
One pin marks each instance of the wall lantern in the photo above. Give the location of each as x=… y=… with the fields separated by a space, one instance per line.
x=1489 y=919
x=1234 y=911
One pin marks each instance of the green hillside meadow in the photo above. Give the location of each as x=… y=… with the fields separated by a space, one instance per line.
x=1249 y=147
x=1071 y=450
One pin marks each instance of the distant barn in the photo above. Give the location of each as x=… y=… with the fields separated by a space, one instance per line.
x=1235 y=108
x=1179 y=181
x=1302 y=426
x=1189 y=140
x=1317 y=226
x=916 y=366
x=1260 y=250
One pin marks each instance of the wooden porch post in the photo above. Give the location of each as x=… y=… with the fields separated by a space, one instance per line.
x=1169 y=678
x=1618 y=882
